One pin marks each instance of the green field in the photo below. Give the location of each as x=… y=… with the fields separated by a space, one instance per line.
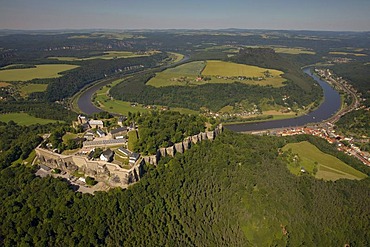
x=107 y=56
x=41 y=71
x=228 y=69
x=328 y=166
x=67 y=136
x=217 y=72
x=24 y=119
x=132 y=139
x=32 y=88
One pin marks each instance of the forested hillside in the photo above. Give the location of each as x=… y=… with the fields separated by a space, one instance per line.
x=235 y=191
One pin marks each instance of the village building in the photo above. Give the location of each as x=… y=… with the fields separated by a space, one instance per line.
x=96 y=124
x=82 y=119
x=107 y=155
x=89 y=136
x=133 y=158
x=124 y=151
x=119 y=133
x=100 y=133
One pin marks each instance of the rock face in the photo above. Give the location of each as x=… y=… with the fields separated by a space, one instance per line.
x=181 y=147
x=170 y=151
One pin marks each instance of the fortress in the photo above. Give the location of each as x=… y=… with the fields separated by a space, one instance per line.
x=112 y=174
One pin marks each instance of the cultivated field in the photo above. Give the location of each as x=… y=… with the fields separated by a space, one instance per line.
x=24 y=119
x=328 y=166
x=347 y=53
x=32 y=88
x=216 y=68
x=41 y=71
x=217 y=72
x=107 y=56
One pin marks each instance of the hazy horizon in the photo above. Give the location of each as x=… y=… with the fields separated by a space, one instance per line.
x=314 y=15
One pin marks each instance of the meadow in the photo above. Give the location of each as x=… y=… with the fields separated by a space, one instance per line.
x=187 y=74
x=32 y=88
x=24 y=119
x=107 y=56
x=328 y=166
x=41 y=71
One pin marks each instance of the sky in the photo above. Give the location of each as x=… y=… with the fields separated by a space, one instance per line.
x=332 y=15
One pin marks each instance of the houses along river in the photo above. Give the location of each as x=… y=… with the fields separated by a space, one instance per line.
x=327 y=109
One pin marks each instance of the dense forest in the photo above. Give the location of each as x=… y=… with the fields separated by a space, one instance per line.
x=234 y=191
x=19 y=141
x=163 y=129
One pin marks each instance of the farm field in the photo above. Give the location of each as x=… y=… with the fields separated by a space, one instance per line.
x=328 y=166
x=24 y=119
x=347 y=53
x=187 y=74
x=107 y=55
x=181 y=75
x=41 y=71
x=32 y=88
x=228 y=69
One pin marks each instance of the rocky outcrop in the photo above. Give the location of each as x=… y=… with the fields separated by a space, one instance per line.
x=181 y=147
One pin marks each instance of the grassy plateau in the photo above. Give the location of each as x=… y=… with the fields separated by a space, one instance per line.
x=328 y=166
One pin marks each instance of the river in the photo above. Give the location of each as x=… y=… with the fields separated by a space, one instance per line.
x=328 y=108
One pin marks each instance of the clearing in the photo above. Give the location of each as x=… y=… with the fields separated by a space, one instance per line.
x=328 y=167
x=107 y=56
x=41 y=71
x=215 y=71
x=347 y=53
x=24 y=119
x=32 y=88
